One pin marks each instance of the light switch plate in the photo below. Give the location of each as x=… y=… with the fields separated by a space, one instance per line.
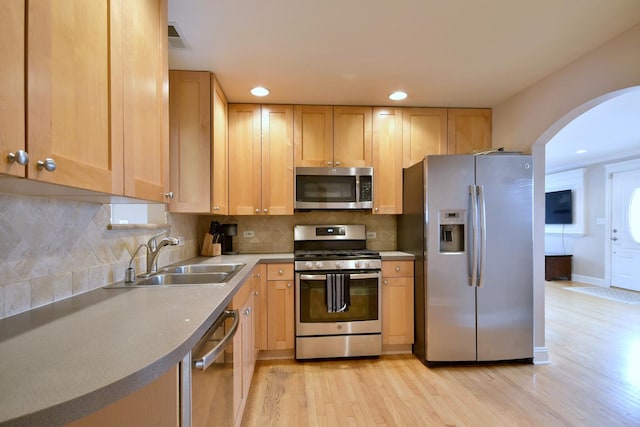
x=371 y=234
x=248 y=233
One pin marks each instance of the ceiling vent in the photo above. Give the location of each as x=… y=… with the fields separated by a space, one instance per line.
x=175 y=39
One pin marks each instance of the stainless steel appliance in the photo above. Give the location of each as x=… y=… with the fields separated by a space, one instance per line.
x=337 y=291
x=334 y=188
x=207 y=377
x=468 y=221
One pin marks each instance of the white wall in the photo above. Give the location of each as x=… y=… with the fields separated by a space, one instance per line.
x=529 y=120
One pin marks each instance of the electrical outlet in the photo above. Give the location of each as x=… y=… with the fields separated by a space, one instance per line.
x=248 y=233
x=371 y=234
x=180 y=240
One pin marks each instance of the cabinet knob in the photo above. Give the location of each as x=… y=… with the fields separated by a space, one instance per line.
x=376 y=209
x=397 y=268
x=169 y=195
x=280 y=272
x=386 y=282
x=256 y=293
x=216 y=208
x=47 y=164
x=20 y=157
x=257 y=211
x=258 y=275
x=288 y=285
x=329 y=163
x=337 y=163
x=264 y=210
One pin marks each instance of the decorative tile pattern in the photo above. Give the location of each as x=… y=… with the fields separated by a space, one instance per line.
x=52 y=249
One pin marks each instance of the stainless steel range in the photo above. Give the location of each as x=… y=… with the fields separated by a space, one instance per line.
x=337 y=292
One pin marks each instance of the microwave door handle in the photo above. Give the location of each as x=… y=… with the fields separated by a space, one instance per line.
x=205 y=361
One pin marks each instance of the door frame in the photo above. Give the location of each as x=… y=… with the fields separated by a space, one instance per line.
x=610 y=169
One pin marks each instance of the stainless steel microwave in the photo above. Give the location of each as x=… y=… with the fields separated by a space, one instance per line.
x=334 y=188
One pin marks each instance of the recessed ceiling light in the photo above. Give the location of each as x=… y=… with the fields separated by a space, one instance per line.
x=260 y=91
x=398 y=95
x=581 y=151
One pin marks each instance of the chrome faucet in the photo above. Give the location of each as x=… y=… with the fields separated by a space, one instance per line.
x=153 y=250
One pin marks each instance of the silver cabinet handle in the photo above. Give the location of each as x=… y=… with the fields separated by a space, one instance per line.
x=20 y=157
x=169 y=195
x=206 y=360
x=47 y=164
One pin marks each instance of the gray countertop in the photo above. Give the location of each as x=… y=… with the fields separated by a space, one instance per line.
x=68 y=359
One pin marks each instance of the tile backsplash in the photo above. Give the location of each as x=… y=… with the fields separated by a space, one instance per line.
x=274 y=233
x=51 y=249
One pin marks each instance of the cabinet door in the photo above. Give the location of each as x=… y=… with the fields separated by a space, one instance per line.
x=245 y=153
x=469 y=130
x=74 y=103
x=313 y=135
x=12 y=132
x=260 y=304
x=280 y=306
x=397 y=310
x=352 y=144
x=387 y=160
x=277 y=159
x=219 y=151
x=189 y=141
x=424 y=131
x=145 y=99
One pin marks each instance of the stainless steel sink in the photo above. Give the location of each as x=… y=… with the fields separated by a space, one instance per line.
x=184 y=279
x=191 y=274
x=205 y=268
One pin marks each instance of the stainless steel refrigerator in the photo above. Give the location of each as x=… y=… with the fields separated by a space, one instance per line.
x=468 y=221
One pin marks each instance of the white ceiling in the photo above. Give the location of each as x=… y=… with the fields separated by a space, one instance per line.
x=451 y=53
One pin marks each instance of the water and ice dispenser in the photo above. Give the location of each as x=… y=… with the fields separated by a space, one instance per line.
x=452 y=231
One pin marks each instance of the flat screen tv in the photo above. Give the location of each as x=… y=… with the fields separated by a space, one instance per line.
x=559 y=207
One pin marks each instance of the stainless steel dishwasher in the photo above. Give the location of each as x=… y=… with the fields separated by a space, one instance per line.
x=207 y=376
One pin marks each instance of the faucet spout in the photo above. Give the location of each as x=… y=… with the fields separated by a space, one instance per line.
x=154 y=250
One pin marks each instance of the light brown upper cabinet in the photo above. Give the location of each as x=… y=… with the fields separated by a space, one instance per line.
x=337 y=136
x=469 y=130
x=424 y=131
x=387 y=160
x=12 y=105
x=352 y=144
x=145 y=98
x=189 y=141
x=261 y=152
x=74 y=89
x=197 y=143
x=97 y=112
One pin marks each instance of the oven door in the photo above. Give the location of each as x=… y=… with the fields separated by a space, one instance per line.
x=313 y=317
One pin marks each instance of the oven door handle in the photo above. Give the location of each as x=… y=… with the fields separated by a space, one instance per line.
x=356 y=276
x=205 y=361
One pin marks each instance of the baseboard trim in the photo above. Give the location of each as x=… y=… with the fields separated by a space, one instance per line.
x=541 y=356
x=589 y=280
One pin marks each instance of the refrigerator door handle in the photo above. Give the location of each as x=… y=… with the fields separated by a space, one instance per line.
x=483 y=234
x=474 y=240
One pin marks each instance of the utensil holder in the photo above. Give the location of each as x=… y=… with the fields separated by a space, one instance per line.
x=209 y=248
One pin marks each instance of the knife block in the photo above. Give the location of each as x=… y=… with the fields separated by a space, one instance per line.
x=209 y=248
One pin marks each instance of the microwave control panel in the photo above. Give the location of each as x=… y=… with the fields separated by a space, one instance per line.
x=366 y=189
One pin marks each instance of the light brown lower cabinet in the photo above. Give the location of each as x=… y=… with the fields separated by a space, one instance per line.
x=280 y=307
x=156 y=405
x=397 y=306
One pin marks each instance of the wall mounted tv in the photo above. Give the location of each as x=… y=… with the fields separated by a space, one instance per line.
x=559 y=207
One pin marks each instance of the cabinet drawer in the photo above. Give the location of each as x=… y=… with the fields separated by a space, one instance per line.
x=397 y=268
x=280 y=271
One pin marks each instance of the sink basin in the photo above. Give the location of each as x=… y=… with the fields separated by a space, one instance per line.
x=191 y=274
x=205 y=268
x=184 y=279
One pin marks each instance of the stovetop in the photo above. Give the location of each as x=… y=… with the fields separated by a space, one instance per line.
x=334 y=254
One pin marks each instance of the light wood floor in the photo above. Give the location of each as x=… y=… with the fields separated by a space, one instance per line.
x=593 y=380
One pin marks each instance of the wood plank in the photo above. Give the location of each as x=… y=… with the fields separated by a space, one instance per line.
x=593 y=379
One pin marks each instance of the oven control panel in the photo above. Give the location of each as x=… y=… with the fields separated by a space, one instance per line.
x=347 y=264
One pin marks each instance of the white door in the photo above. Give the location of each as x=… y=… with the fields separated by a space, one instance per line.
x=625 y=230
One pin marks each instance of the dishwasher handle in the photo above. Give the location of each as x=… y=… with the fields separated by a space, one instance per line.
x=205 y=361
